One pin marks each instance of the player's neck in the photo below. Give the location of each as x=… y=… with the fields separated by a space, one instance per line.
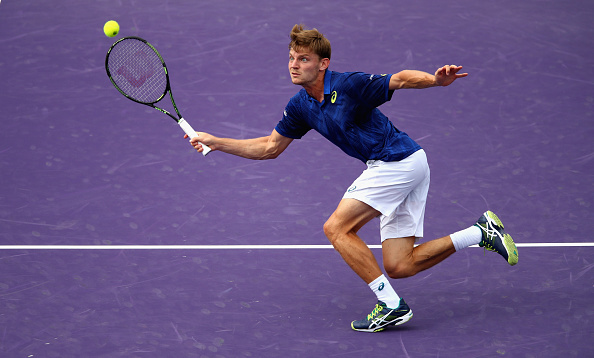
x=316 y=88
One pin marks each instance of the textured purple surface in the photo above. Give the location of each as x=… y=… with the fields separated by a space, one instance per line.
x=82 y=165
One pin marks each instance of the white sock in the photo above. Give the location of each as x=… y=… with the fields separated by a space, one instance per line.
x=464 y=238
x=384 y=292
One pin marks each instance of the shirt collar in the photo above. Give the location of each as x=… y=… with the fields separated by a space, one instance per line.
x=327 y=77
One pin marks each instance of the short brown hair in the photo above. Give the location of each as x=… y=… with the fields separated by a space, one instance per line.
x=310 y=39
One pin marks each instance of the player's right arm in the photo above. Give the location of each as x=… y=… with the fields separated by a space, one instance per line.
x=268 y=147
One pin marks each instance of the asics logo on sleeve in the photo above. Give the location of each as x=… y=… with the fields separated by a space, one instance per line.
x=382 y=75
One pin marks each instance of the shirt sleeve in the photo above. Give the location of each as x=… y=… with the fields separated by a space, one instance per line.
x=292 y=125
x=372 y=90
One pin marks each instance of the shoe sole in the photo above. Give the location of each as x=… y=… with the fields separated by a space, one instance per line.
x=397 y=322
x=508 y=242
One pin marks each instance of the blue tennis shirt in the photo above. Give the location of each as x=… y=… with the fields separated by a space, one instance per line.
x=349 y=118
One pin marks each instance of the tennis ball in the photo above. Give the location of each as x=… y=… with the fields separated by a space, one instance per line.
x=111 y=28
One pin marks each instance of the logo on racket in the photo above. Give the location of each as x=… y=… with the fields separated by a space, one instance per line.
x=135 y=81
x=137 y=69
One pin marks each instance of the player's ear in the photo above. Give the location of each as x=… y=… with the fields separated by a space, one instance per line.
x=324 y=64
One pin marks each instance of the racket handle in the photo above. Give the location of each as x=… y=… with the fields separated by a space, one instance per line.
x=192 y=134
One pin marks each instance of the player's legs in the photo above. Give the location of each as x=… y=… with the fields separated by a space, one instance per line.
x=403 y=259
x=341 y=229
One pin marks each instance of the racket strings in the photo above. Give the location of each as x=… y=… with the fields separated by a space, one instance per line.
x=138 y=71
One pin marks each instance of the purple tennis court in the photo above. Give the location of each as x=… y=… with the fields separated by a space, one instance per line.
x=117 y=239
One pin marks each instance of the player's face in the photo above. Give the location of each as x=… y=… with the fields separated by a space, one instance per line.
x=304 y=67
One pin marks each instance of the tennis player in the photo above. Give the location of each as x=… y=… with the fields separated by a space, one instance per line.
x=343 y=108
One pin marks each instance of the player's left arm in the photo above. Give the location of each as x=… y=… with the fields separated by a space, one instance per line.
x=444 y=76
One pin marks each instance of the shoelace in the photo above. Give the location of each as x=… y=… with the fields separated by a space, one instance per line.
x=488 y=246
x=375 y=312
x=491 y=232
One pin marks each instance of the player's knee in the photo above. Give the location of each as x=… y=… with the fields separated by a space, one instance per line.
x=399 y=269
x=334 y=231
x=330 y=230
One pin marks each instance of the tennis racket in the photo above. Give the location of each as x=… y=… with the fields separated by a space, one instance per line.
x=138 y=71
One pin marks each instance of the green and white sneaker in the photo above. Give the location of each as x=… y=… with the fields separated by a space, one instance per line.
x=496 y=239
x=382 y=316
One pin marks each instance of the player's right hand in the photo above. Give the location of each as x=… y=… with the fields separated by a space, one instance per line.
x=201 y=138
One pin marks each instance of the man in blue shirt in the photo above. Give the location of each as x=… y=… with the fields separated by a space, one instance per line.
x=343 y=108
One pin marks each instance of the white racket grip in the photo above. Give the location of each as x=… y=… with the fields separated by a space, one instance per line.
x=192 y=134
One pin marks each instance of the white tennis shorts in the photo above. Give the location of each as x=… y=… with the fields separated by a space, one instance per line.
x=398 y=190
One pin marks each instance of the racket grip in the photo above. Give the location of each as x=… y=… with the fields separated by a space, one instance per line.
x=192 y=134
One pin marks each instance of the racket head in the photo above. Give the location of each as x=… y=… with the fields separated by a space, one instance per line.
x=137 y=70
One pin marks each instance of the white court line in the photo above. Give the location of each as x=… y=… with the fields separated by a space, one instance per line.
x=240 y=247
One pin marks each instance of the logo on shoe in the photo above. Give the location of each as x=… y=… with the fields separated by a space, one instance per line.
x=381 y=287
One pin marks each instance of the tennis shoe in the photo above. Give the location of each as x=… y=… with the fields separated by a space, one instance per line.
x=382 y=317
x=496 y=239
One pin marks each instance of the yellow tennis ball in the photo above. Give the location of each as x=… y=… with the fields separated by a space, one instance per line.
x=111 y=28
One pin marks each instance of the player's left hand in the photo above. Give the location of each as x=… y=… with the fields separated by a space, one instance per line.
x=445 y=75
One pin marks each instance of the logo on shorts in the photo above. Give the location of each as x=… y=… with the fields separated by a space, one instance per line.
x=352 y=189
x=381 y=287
